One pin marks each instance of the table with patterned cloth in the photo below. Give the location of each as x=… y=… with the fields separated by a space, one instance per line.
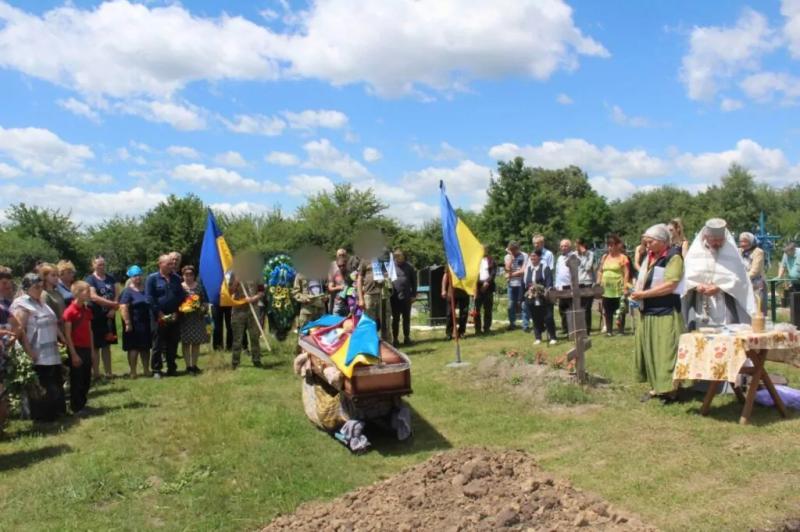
x=722 y=356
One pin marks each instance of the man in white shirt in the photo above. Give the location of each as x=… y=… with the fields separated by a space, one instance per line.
x=547 y=256
x=563 y=281
x=586 y=278
x=484 y=293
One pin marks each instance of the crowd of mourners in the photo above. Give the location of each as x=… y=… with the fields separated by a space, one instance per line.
x=50 y=312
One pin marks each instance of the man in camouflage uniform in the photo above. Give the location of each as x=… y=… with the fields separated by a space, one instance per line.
x=312 y=298
x=242 y=319
x=372 y=287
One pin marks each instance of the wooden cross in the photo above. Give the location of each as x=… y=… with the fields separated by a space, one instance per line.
x=576 y=318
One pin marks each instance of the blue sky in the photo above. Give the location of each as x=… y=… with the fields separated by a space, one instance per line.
x=109 y=107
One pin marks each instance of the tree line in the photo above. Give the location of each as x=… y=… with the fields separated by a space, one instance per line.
x=521 y=200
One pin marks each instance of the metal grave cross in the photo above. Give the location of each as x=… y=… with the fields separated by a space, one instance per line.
x=576 y=319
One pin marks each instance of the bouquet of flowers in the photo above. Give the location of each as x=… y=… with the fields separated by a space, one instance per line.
x=190 y=304
x=20 y=381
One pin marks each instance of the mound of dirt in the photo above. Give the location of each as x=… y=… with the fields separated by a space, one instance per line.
x=467 y=489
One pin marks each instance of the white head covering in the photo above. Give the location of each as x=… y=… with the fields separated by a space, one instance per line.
x=658 y=232
x=750 y=237
x=723 y=268
x=716 y=227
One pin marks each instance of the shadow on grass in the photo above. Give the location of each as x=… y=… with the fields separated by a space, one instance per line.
x=425 y=438
x=68 y=422
x=99 y=392
x=21 y=459
x=731 y=411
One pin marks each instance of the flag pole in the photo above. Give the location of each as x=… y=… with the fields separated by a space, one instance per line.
x=255 y=317
x=458 y=362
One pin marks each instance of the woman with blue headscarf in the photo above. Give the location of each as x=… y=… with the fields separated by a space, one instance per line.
x=136 y=315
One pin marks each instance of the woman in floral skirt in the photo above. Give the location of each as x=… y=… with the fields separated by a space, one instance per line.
x=193 y=311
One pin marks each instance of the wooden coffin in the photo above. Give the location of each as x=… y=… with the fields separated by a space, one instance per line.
x=390 y=377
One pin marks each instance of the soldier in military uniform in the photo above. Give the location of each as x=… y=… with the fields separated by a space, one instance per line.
x=242 y=319
x=312 y=298
x=372 y=288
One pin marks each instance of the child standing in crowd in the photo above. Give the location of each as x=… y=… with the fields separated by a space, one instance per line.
x=80 y=342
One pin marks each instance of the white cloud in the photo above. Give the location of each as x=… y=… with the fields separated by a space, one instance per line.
x=467 y=177
x=85 y=206
x=124 y=49
x=414 y=212
x=767 y=164
x=764 y=86
x=371 y=155
x=221 y=179
x=439 y=45
x=240 y=209
x=124 y=155
x=791 y=29
x=445 y=152
x=184 y=117
x=564 y=99
x=282 y=158
x=230 y=158
x=717 y=54
x=183 y=151
x=141 y=146
x=269 y=14
x=619 y=117
x=614 y=188
x=9 y=172
x=730 y=104
x=41 y=151
x=80 y=108
x=314 y=119
x=609 y=166
x=94 y=179
x=323 y=155
x=308 y=185
x=607 y=161
x=269 y=126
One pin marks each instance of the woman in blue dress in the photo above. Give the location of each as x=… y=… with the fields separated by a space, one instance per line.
x=136 y=315
x=104 y=305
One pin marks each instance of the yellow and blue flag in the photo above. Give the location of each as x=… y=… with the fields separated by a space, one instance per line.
x=216 y=263
x=464 y=252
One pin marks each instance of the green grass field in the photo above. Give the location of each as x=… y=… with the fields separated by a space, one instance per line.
x=230 y=450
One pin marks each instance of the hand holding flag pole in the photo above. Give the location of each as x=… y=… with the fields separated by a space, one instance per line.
x=255 y=316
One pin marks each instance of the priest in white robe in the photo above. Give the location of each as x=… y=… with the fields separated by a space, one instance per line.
x=716 y=287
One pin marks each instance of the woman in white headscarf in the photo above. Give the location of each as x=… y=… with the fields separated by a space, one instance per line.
x=753 y=257
x=660 y=324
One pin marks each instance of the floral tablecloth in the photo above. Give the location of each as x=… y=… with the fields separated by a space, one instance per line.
x=720 y=356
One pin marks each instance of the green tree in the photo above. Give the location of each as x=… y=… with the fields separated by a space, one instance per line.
x=122 y=242
x=556 y=203
x=331 y=219
x=632 y=216
x=21 y=252
x=176 y=224
x=52 y=226
x=735 y=199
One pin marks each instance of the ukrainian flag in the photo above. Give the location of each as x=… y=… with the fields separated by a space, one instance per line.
x=216 y=262
x=464 y=252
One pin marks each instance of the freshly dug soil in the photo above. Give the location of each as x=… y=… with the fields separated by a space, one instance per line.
x=466 y=489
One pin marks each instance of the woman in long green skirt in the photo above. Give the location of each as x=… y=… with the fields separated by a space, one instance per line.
x=660 y=323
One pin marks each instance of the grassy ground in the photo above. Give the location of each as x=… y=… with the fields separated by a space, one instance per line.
x=229 y=450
